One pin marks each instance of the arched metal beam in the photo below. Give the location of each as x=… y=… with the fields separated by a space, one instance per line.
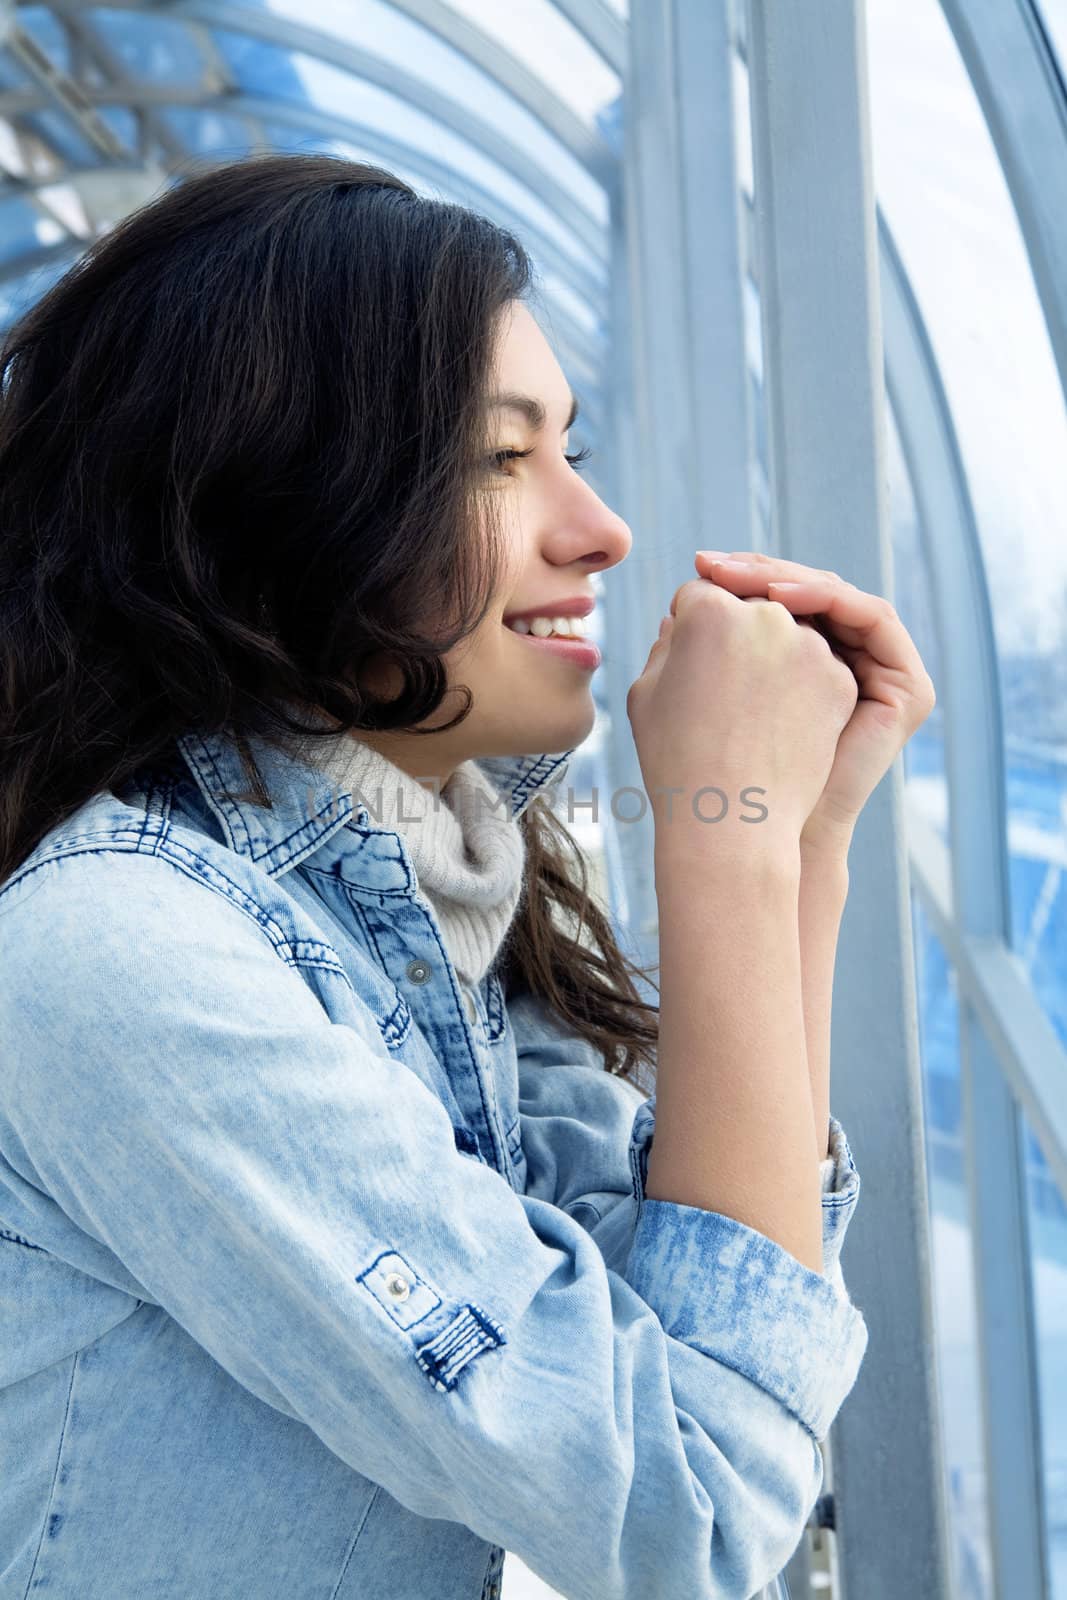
x=600 y=27
x=531 y=92
x=492 y=142
x=1017 y=80
x=587 y=286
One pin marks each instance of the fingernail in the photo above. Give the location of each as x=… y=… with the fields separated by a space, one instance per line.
x=736 y=566
x=712 y=555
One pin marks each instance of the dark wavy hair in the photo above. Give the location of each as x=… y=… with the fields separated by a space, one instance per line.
x=239 y=446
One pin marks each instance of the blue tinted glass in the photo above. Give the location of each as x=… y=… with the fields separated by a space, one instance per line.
x=23 y=228
x=158 y=48
x=417 y=52
x=46 y=32
x=58 y=131
x=18 y=294
x=550 y=46
x=1048 y=1244
x=926 y=785
x=206 y=131
x=12 y=75
x=954 y=1301
x=122 y=122
x=947 y=203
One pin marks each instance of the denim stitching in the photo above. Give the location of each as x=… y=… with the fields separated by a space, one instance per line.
x=218 y=792
x=171 y=853
x=52 y=1491
x=469 y=1335
x=371 y=1503
x=16 y=1238
x=496 y=1009
x=221 y=795
x=160 y=818
x=490 y=1117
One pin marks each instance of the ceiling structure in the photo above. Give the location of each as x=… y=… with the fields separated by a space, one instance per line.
x=101 y=107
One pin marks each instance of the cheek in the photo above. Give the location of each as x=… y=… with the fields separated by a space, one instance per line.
x=480 y=655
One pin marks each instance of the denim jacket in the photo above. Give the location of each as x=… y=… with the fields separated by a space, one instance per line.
x=325 y=1277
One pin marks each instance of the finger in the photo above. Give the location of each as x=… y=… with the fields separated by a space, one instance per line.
x=857 y=619
x=770 y=566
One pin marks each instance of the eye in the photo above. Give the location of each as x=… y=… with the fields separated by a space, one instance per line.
x=501 y=456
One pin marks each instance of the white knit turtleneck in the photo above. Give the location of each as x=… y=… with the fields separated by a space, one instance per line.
x=465 y=845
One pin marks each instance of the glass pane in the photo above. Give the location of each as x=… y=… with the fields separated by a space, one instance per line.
x=544 y=41
x=123 y=124
x=13 y=74
x=1048 y=1246
x=954 y=1303
x=46 y=31
x=158 y=48
x=381 y=29
x=18 y=294
x=1054 y=16
x=23 y=228
x=945 y=198
x=926 y=786
x=208 y=132
x=1039 y=883
x=60 y=134
x=263 y=69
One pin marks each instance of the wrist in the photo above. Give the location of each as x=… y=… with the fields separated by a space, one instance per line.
x=827 y=843
x=687 y=860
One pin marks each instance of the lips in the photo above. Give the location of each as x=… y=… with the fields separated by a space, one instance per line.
x=582 y=652
x=577 y=605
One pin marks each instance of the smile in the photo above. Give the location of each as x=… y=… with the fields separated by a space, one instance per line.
x=583 y=652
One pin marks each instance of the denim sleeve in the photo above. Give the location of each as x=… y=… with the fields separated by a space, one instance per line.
x=587 y=1135
x=292 y=1195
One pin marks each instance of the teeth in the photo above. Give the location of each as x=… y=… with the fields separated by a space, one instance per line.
x=544 y=627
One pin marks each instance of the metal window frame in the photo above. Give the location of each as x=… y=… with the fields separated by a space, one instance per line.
x=817 y=260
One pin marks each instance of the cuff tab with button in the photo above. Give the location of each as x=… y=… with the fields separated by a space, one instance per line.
x=452 y=1334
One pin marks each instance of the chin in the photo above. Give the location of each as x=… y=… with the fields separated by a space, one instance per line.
x=556 y=734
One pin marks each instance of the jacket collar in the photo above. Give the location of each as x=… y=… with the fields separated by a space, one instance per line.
x=308 y=808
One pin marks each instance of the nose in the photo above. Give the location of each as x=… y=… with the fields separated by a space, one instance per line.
x=598 y=537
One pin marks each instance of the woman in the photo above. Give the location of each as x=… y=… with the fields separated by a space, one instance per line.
x=338 y=1252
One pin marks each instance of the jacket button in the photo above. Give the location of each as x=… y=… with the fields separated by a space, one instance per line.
x=398 y=1286
x=419 y=971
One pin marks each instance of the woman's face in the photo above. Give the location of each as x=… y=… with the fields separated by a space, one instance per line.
x=529 y=695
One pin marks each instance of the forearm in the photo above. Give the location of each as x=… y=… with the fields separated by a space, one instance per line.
x=823 y=891
x=734 y=1122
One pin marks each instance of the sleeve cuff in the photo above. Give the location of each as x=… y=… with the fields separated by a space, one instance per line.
x=794 y=1332
x=840 y=1193
x=840 y=1182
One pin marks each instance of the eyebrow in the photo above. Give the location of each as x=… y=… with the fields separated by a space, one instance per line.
x=531 y=408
